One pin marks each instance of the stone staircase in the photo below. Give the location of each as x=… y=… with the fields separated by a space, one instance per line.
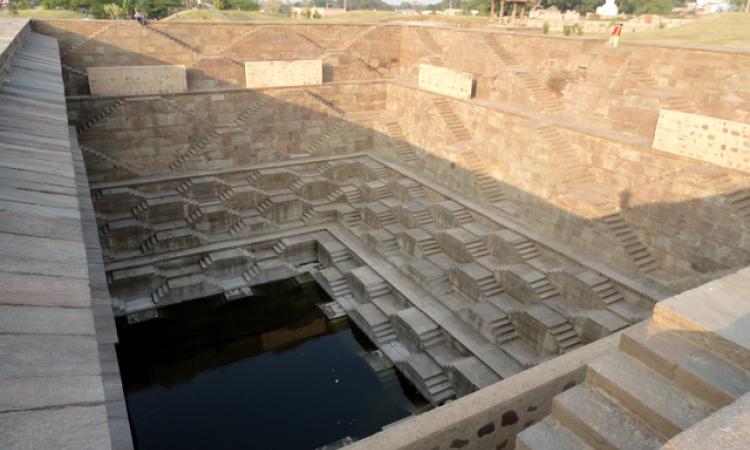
x=476 y=248
x=606 y=291
x=740 y=201
x=427 y=377
x=251 y=274
x=238 y=39
x=488 y=188
x=634 y=248
x=309 y=41
x=567 y=162
x=74 y=70
x=489 y=286
x=349 y=43
x=317 y=145
x=667 y=375
x=503 y=330
x=404 y=151
x=451 y=120
x=86 y=39
x=548 y=101
x=194 y=149
x=429 y=246
x=113 y=162
x=433 y=47
x=160 y=292
x=543 y=288
x=566 y=337
x=349 y=193
x=193 y=51
x=194 y=217
x=104 y=112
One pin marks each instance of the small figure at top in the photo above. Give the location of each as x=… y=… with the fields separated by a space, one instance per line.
x=140 y=17
x=614 y=36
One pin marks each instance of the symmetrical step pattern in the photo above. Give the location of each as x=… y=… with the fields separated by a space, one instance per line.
x=115 y=163
x=433 y=47
x=624 y=234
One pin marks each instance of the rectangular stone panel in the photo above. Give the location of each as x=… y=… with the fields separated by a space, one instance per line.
x=137 y=80
x=260 y=74
x=718 y=141
x=445 y=81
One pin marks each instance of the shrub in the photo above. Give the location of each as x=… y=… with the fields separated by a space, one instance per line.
x=243 y=5
x=567 y=29
x=545 y=27
x=219 y=4
x=113 y=11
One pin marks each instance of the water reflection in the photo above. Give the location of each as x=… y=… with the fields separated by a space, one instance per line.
x=267 y=372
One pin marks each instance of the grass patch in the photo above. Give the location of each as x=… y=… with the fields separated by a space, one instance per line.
x=39 y=13
x=722 y=30
x=195 y=14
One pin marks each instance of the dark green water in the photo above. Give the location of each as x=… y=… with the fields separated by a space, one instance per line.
x=267 y=372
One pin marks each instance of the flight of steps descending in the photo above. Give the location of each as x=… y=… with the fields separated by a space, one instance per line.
x=385 y=217
x=279 y=248
x=320 y=142
x=542 y=95
x=624 y=234
x=427 y=376
x=526 y=248
x=350 y=218
x=379 y=171
x=488 y=188
x=566 y=337
x=606 y=291
x=173 y=39
x=265 y=205
x=423 y=217
x=661 y=380
x=476 y=248
x=149 y=244
x=739 y=200
x=251 y=274
x=106 y=111
x=86 y=39
x=433 y=47
x=404 y=150
x=236 y=40
x=194 y=149
x=566 y=160
x=113 y=162
x=194 y=216
x=429 y=246
x=489 y=287
x=160 y=292
x=342 y=255
x=543 y=288
x=450 y=119
x=226 y=195
x=348 y=193
x=340 y=287
x=503 y=330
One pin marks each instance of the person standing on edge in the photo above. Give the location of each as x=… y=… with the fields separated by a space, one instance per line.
x=614 y=36
x=140 y=17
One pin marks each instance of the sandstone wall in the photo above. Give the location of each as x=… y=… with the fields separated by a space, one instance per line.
x=678 y=207
x=167 y=134
x=214 y=55
x=621 y=88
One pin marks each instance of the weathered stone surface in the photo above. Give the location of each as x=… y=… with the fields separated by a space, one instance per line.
x=134 y=80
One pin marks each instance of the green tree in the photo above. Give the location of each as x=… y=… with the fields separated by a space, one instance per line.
x=219 y=4
x=156 y=9
x=646 y=6
x=113 y=11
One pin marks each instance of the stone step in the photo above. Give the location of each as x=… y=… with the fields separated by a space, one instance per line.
x=703 y=374
x=549 y=434
x=600 y=422
x=665 y=407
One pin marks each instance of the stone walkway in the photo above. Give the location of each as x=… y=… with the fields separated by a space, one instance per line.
x=59 y=381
